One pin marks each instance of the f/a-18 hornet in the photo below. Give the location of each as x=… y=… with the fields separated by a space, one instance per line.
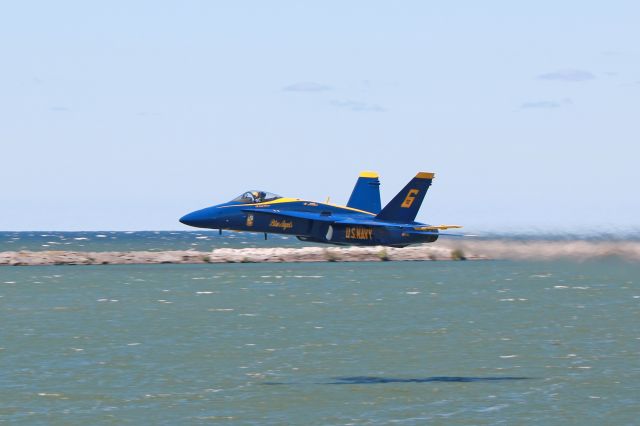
x=361 y=222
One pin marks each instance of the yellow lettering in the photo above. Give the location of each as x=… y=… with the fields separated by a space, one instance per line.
x=284 y=224
x=411 y=196
x=358 y=233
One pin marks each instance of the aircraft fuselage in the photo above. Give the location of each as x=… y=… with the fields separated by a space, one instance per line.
x=355 y=227
x=361 y=222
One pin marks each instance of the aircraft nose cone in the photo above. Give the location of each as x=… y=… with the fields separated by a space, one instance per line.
x=193 y=219
x=187 y=219
x=205 y=218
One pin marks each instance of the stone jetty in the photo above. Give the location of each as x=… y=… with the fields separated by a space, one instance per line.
x=448 y=250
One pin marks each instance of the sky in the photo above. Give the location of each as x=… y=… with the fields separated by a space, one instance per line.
x=125 y=115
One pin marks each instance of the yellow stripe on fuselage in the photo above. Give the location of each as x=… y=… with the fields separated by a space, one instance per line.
x=348 y=208
x=293 y=200
x=267 y=203
x=277 y=201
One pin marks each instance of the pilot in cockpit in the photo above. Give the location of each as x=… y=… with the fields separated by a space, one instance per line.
x=254 y=197
x=258 y=196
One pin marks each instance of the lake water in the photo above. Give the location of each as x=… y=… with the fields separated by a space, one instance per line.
x=204 y=240
x=459 y=343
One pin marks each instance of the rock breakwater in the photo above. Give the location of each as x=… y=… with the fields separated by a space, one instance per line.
x=466 y=250
x=226 y=255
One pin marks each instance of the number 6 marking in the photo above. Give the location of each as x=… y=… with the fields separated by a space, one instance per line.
x=411 y=196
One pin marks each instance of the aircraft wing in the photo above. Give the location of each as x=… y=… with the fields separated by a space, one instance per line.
x=294 y=214
x=425 y=230
x=420 y=228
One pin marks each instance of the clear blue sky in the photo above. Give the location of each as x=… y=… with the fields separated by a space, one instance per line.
x=125 y=115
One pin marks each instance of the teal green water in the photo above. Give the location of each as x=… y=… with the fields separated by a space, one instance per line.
x=203 y=240
x=335 y=343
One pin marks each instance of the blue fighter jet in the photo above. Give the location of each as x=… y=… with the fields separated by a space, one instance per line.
x=361 y=222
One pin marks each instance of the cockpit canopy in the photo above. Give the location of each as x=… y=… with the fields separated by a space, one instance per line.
x=252 y=197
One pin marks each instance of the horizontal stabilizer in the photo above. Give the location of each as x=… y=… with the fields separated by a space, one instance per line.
x=436 y=227
x=440 y=234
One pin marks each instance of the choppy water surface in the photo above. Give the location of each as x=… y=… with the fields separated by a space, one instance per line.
x=358 y=343
x=204 y=240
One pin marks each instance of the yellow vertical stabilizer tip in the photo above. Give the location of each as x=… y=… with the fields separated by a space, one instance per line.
x=369 y=174
x=425 y=175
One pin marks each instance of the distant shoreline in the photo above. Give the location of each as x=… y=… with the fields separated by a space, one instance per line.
x=447 y=250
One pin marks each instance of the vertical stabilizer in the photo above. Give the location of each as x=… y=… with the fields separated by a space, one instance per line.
x=404 y=206
x=366 y=193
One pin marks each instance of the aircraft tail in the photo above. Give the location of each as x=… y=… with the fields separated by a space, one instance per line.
x=404 y=206
x=366 y=193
